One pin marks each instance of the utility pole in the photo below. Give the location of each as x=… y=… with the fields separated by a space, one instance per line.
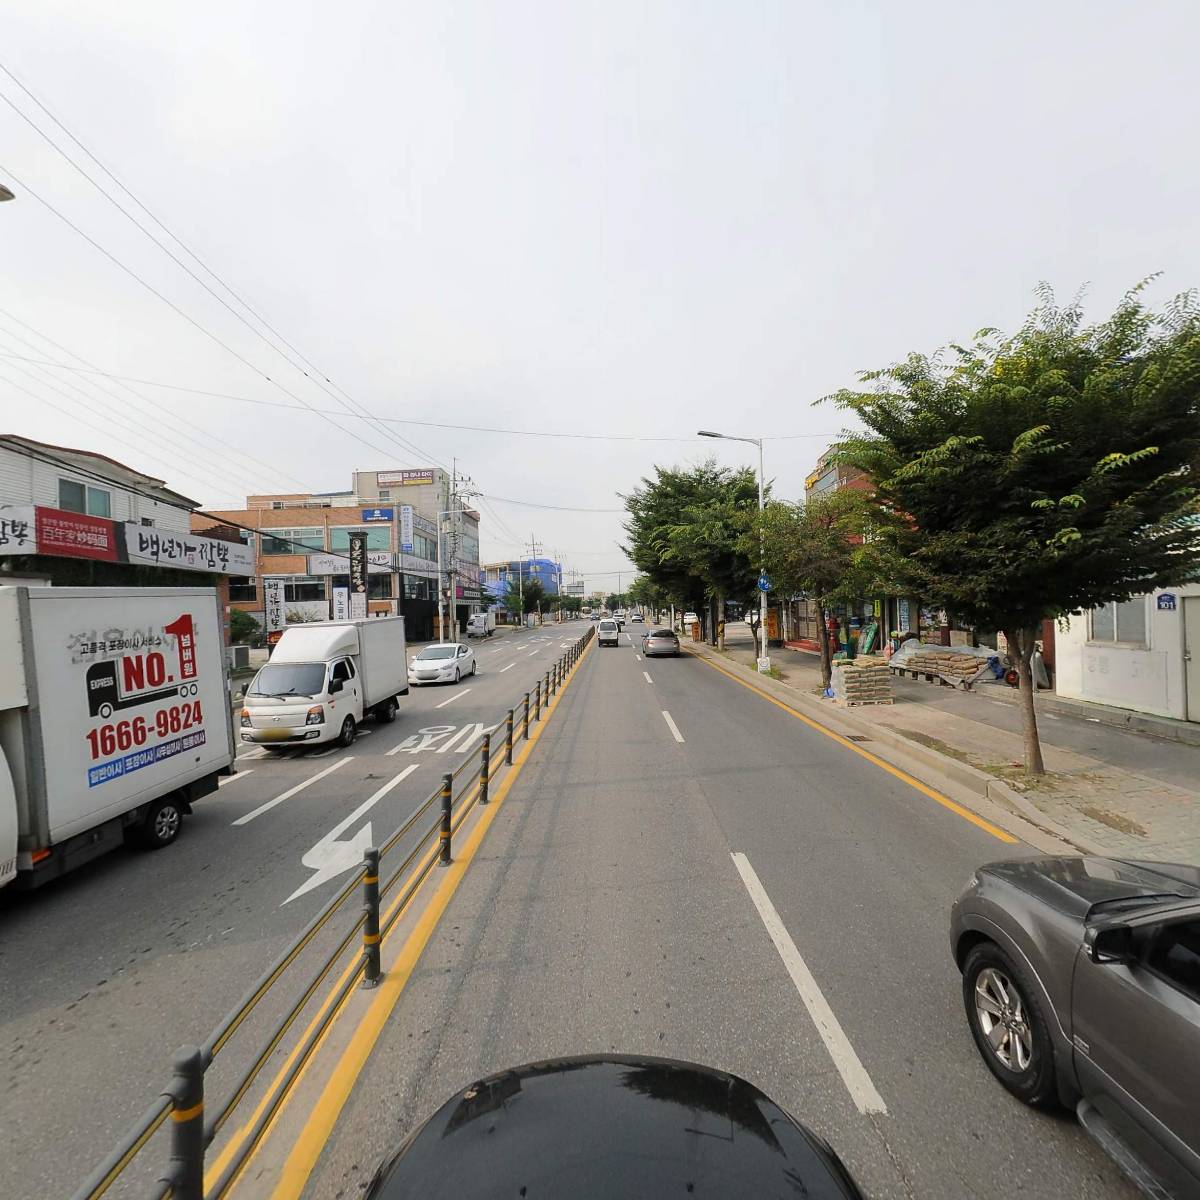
x=534 y=549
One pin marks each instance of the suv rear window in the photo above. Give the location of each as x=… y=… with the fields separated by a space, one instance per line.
x=608 y=626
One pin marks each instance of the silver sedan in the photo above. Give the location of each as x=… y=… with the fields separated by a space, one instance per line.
x=660 y=643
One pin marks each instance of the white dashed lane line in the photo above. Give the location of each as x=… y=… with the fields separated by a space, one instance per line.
x=672 y=726
x=646 y=674
x=456 y=696
x=270 y=804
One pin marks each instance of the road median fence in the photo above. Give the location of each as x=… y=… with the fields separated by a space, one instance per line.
x=182 y=1104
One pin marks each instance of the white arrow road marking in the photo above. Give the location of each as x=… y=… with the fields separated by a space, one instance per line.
x=456 y=696
x=234 y=778
x=270 y=804
x=329 y=857
x=854 y=1074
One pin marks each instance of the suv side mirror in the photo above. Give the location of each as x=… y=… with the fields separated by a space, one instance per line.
x=335 y=685
x=1110 y=944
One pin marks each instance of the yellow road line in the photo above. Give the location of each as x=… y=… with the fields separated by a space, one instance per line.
x=213 y=1171
x=903 y=776
x=320 y=1122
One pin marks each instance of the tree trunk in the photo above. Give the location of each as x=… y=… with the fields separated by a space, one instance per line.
x=1021 y=644
x=826 y=659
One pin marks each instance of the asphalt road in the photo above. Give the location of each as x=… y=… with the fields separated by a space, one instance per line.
x=617 y=903
x=106 y=971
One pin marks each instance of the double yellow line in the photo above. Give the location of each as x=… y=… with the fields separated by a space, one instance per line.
x=321 y=1120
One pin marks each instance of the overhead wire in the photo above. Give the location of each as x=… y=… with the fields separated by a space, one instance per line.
x=220 y=471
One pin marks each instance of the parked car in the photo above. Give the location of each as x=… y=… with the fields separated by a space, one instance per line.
x=689 y=619
x=1081 y=981
x=607 y=632
x=659 y=643
x=442 y=662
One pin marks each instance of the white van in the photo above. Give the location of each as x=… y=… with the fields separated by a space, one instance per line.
x=325 y=677
x=607 y=632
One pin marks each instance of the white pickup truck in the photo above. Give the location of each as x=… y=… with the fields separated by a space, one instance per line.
x=325 y=677
x=114 y=720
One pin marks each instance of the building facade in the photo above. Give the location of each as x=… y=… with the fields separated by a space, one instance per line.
x=72 y=518
x=498 y=575
x=301 y=547
x=1142 y=654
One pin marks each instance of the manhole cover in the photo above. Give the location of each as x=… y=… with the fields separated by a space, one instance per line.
x=857 y=737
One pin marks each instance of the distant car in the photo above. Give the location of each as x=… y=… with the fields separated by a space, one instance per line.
x=660 y=643
x=607 y=632
x=443 y=662
x=689 y=619
x=635 y=618
x=620 y=620
x=1081 y=981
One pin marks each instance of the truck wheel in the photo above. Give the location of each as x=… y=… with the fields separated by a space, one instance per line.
x=385 y=713
x=349 y=732
x=160 y=826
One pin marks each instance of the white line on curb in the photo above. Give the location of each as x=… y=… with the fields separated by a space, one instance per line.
x=270 y=804
x=854 y=1074
x=672 y=726
x=456 y=696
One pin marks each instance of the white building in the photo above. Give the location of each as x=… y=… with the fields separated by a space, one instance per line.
x=80 y=481
x=1142 y=654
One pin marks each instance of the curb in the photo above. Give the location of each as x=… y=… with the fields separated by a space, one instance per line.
x=938 y=767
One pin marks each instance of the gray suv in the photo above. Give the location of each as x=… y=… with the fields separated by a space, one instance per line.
x=1081 y=982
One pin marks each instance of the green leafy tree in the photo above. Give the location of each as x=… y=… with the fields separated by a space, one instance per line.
x=1042 y=473
x=243 y=627
x=829 y=549
x=685 y=533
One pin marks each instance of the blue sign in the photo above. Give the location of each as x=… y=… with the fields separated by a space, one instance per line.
x=1166 y=602
x=377 y=514
x=764 y=582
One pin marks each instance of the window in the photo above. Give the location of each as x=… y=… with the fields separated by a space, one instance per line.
x=385 y=494
x=1175 y=954
x=303 y=587
x=291 y=541
x=378 y=538
x=1122 y=622
x=277 y=505
x=242 y=587
x=417 y=588
x=79 y=498
x=341 y=670
x=379 y=584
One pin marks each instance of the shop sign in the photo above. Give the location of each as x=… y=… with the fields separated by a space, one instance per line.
x=405 y=478
x=406 y=529
x=75 y=535
x=341 y=603
x=189 y=552
x=378 y=561
x=377 y=514
x=273 y=610
x=358 y=575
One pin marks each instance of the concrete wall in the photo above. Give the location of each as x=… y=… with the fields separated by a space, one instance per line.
x=1149 y=680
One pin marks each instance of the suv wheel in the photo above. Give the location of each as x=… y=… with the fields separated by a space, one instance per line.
x=1008 y=1026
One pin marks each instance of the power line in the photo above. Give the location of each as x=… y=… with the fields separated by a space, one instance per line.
x=408 y=446
x=551 y=507
x=219 y=472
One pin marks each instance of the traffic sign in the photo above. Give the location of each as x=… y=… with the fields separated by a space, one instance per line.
x=764 y=582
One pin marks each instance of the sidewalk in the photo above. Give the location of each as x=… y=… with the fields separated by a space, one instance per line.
x=1109 y=790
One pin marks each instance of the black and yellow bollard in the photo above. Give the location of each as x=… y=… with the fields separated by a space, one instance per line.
x=371 y=972
x=485 y=757
x=447 y=790
x=185 y=1173
x=537 y=701
x=526 y=721
x=508 y=738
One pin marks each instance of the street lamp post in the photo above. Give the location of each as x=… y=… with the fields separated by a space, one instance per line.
x=764 y=663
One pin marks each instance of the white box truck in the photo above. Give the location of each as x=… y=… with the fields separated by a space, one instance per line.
x=114 y=720
x=481 y=624
x=323 y=678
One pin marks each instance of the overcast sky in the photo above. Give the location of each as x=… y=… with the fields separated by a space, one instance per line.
x=634 y=219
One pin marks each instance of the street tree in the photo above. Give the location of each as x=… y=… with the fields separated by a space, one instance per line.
x=685 y=533
x=530 y=598
x=829 y=549
x=243 y=627
x=1041 y=473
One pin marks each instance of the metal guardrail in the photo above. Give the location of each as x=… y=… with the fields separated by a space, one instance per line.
x=182 y=1102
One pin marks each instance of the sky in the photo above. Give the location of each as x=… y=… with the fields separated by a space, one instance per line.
x=632 y=220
